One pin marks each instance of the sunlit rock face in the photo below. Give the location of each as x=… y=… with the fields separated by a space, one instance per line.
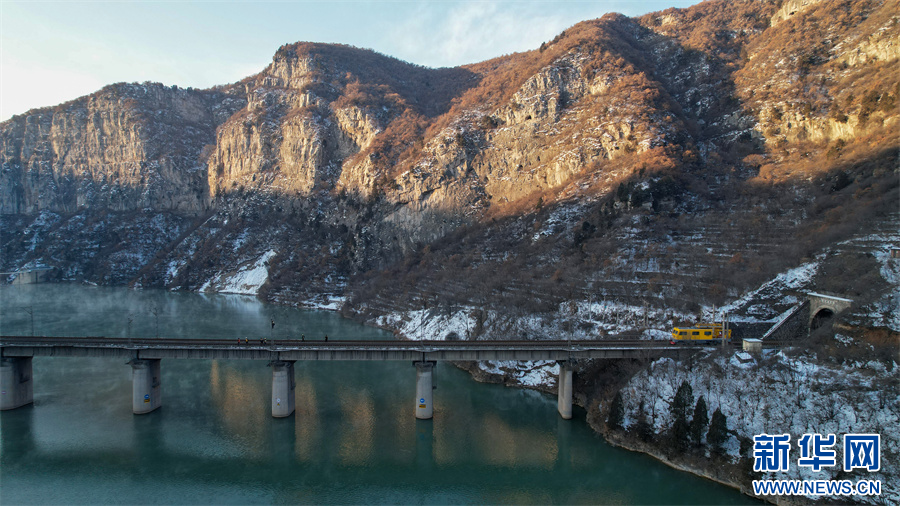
x=126 y=147
x=343 y=159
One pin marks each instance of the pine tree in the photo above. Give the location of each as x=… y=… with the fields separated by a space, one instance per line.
x=680 y=406
x=718 y=431
x=616 y=412
x=642 y=425
x=699 y=422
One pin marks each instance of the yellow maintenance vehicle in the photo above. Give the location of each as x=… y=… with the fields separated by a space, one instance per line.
x=712 y=333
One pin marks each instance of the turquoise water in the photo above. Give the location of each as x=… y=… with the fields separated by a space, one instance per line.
x=354 y=438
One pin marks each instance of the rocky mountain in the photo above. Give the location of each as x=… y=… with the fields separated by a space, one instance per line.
x=125 y=147
x=691 y=141
x=627 y=176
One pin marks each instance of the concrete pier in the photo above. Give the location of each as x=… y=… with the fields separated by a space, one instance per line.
x=145 y=381
x=16 y=386
x=564 y=392
x=424 y=390
x=283 y=386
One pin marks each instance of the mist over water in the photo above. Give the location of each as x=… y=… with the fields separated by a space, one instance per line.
x=353 y=438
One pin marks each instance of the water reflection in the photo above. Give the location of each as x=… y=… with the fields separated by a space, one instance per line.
x=361 y=423
x=352 y=439
x=424 y=444
x=306 y=420
x=241 y=403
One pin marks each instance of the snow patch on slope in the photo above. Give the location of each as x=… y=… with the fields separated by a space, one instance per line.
x=529 y=373
x=429 y=325
x=437 y=325
x=795 y=279
x=246 y=281
x=885 y=311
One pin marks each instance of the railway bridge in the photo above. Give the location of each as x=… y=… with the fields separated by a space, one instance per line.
x=145 y=356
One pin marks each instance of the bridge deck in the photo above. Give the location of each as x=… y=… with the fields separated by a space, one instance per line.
x=230 y=349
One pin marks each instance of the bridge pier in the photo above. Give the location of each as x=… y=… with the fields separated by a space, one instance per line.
x=145 y=385
x=424 y=389
x=564 y=389
x=16 y=386
x=283 y=386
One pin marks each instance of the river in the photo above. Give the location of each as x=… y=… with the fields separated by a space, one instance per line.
x=353 y=438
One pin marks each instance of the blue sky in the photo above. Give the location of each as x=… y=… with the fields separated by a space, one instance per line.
x=53 y=51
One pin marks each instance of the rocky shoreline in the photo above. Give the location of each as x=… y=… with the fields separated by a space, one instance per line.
x=723 y=471
x=719 y=470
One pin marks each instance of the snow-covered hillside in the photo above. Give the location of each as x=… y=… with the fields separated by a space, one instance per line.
x=784 y=392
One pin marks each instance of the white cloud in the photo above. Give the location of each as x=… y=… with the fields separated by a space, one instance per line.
x=474 y=31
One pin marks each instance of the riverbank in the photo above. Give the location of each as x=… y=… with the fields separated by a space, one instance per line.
x=542 y=376
x=719 y=469
x=833 y=398
x=792 y=391
x=353 y=438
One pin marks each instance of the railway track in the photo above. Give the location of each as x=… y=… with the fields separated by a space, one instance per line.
x=320 y=342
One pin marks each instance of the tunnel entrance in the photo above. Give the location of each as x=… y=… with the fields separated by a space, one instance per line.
x=822 y=318
x=824 y=308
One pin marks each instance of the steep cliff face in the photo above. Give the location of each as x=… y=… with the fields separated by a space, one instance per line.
x=125 y=147
x=463 y=140
x=313 y=117
x=823 y=75
x=364 y=160
x=571 y=121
